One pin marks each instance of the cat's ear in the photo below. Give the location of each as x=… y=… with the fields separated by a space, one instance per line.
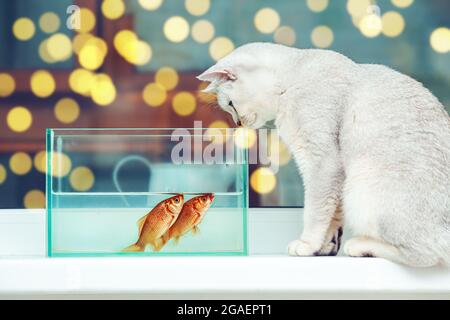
x=213 y=75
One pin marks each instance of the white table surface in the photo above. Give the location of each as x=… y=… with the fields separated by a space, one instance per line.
x=274 y=276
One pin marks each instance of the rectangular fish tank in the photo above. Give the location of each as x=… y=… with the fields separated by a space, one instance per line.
x=104 y=184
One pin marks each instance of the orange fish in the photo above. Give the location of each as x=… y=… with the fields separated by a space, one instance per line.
x=191 y=215
x=156 y=223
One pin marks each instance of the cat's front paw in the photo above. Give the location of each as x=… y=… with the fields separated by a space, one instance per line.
x=302 y=248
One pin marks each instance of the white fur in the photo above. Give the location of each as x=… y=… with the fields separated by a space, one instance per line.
x=368 y=140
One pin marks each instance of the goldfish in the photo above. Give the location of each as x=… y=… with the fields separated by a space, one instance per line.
x=156 y=223
x=190 y=217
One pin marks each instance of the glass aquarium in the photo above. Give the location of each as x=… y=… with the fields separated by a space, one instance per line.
x=146 y=192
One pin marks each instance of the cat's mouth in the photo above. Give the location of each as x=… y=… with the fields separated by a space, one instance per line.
x=234 y=114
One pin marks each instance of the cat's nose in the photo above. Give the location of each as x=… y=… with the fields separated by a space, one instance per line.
x=239 y=123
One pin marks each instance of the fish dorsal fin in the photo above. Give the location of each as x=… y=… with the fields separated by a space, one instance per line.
x=141 y=222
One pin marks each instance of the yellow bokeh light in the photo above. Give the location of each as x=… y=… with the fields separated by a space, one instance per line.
x=279 y=152
x=20 y=163
x=122 y=38
x=40 y=161
x=49 y=22
x=34 y=199
x=80 y=81
x=371 y=25
x=44 y=54
x=202 y=31
x=167 y=77
x=217 y=131
x=82 y=179
x=184 y=103
x=87 y=20
x=267 y=20
x=393 y=24
x=80 y=40
x=67 y=110
x=59 y=47
x=358 y=8
x=402 y=3
x=91 y=57
x=285 y=35
x=317 y=5
x=322 y=37
x=176 y=29
x=61 y=164
x=154 y=94
x=42 y=83
x=7 y=85
x=150 y=4
x=103 y=91
x=197 y=7
x=220 y=47
x=99 y=43
x=24 y=29
x=204 y=96
x=113 y=9
x=440 y=40
x=3 y=174
x=244 y=138
x=19 y=119
x=263 y=180
x=137 y=52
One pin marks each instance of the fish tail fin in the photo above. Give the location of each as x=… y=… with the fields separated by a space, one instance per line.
x=133 y=248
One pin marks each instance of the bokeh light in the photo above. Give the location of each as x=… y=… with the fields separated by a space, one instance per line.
x=402 y=3
x=167 y=77
x=87 y=20
x=220 y=47
x=59 y=47
x=42 y=83
x=358 y=8
x=322 y=37
x=91 y=57
x=49 y=22
x=34 y=199
x=20 y=163
x=393 y=24
x=279 y=152
x=24 y=29
x=7 y=85
x=370 y=25
x=154 y=94
x=202 y=31
x=43 y=52
x=113 y=9
x=197 y=7
x=103 y=91
x=176 y=29
x=80 y=81
x=3 y=174
x=317 y=5
x=184 y=103
x=19 y=119
x=244 y=138
x=217 y=131
x=67 y=110
x=82 y=178
x=40 y=161
x=263 y=180
x=137 y=52
x=80 y=40
x=440 y=40
x=285 y=35
x=150 y=4
x=267 y=20
x=61 y=164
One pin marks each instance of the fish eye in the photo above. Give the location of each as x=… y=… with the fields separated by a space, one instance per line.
x=177 y=200
x=203 y=199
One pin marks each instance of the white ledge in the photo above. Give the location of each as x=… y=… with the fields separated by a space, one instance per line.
x=271 y=276
x=220 y=277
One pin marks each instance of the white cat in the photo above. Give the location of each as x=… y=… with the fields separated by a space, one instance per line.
x=371 y=144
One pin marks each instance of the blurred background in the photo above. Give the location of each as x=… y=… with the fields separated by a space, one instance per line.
x=127 y=64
